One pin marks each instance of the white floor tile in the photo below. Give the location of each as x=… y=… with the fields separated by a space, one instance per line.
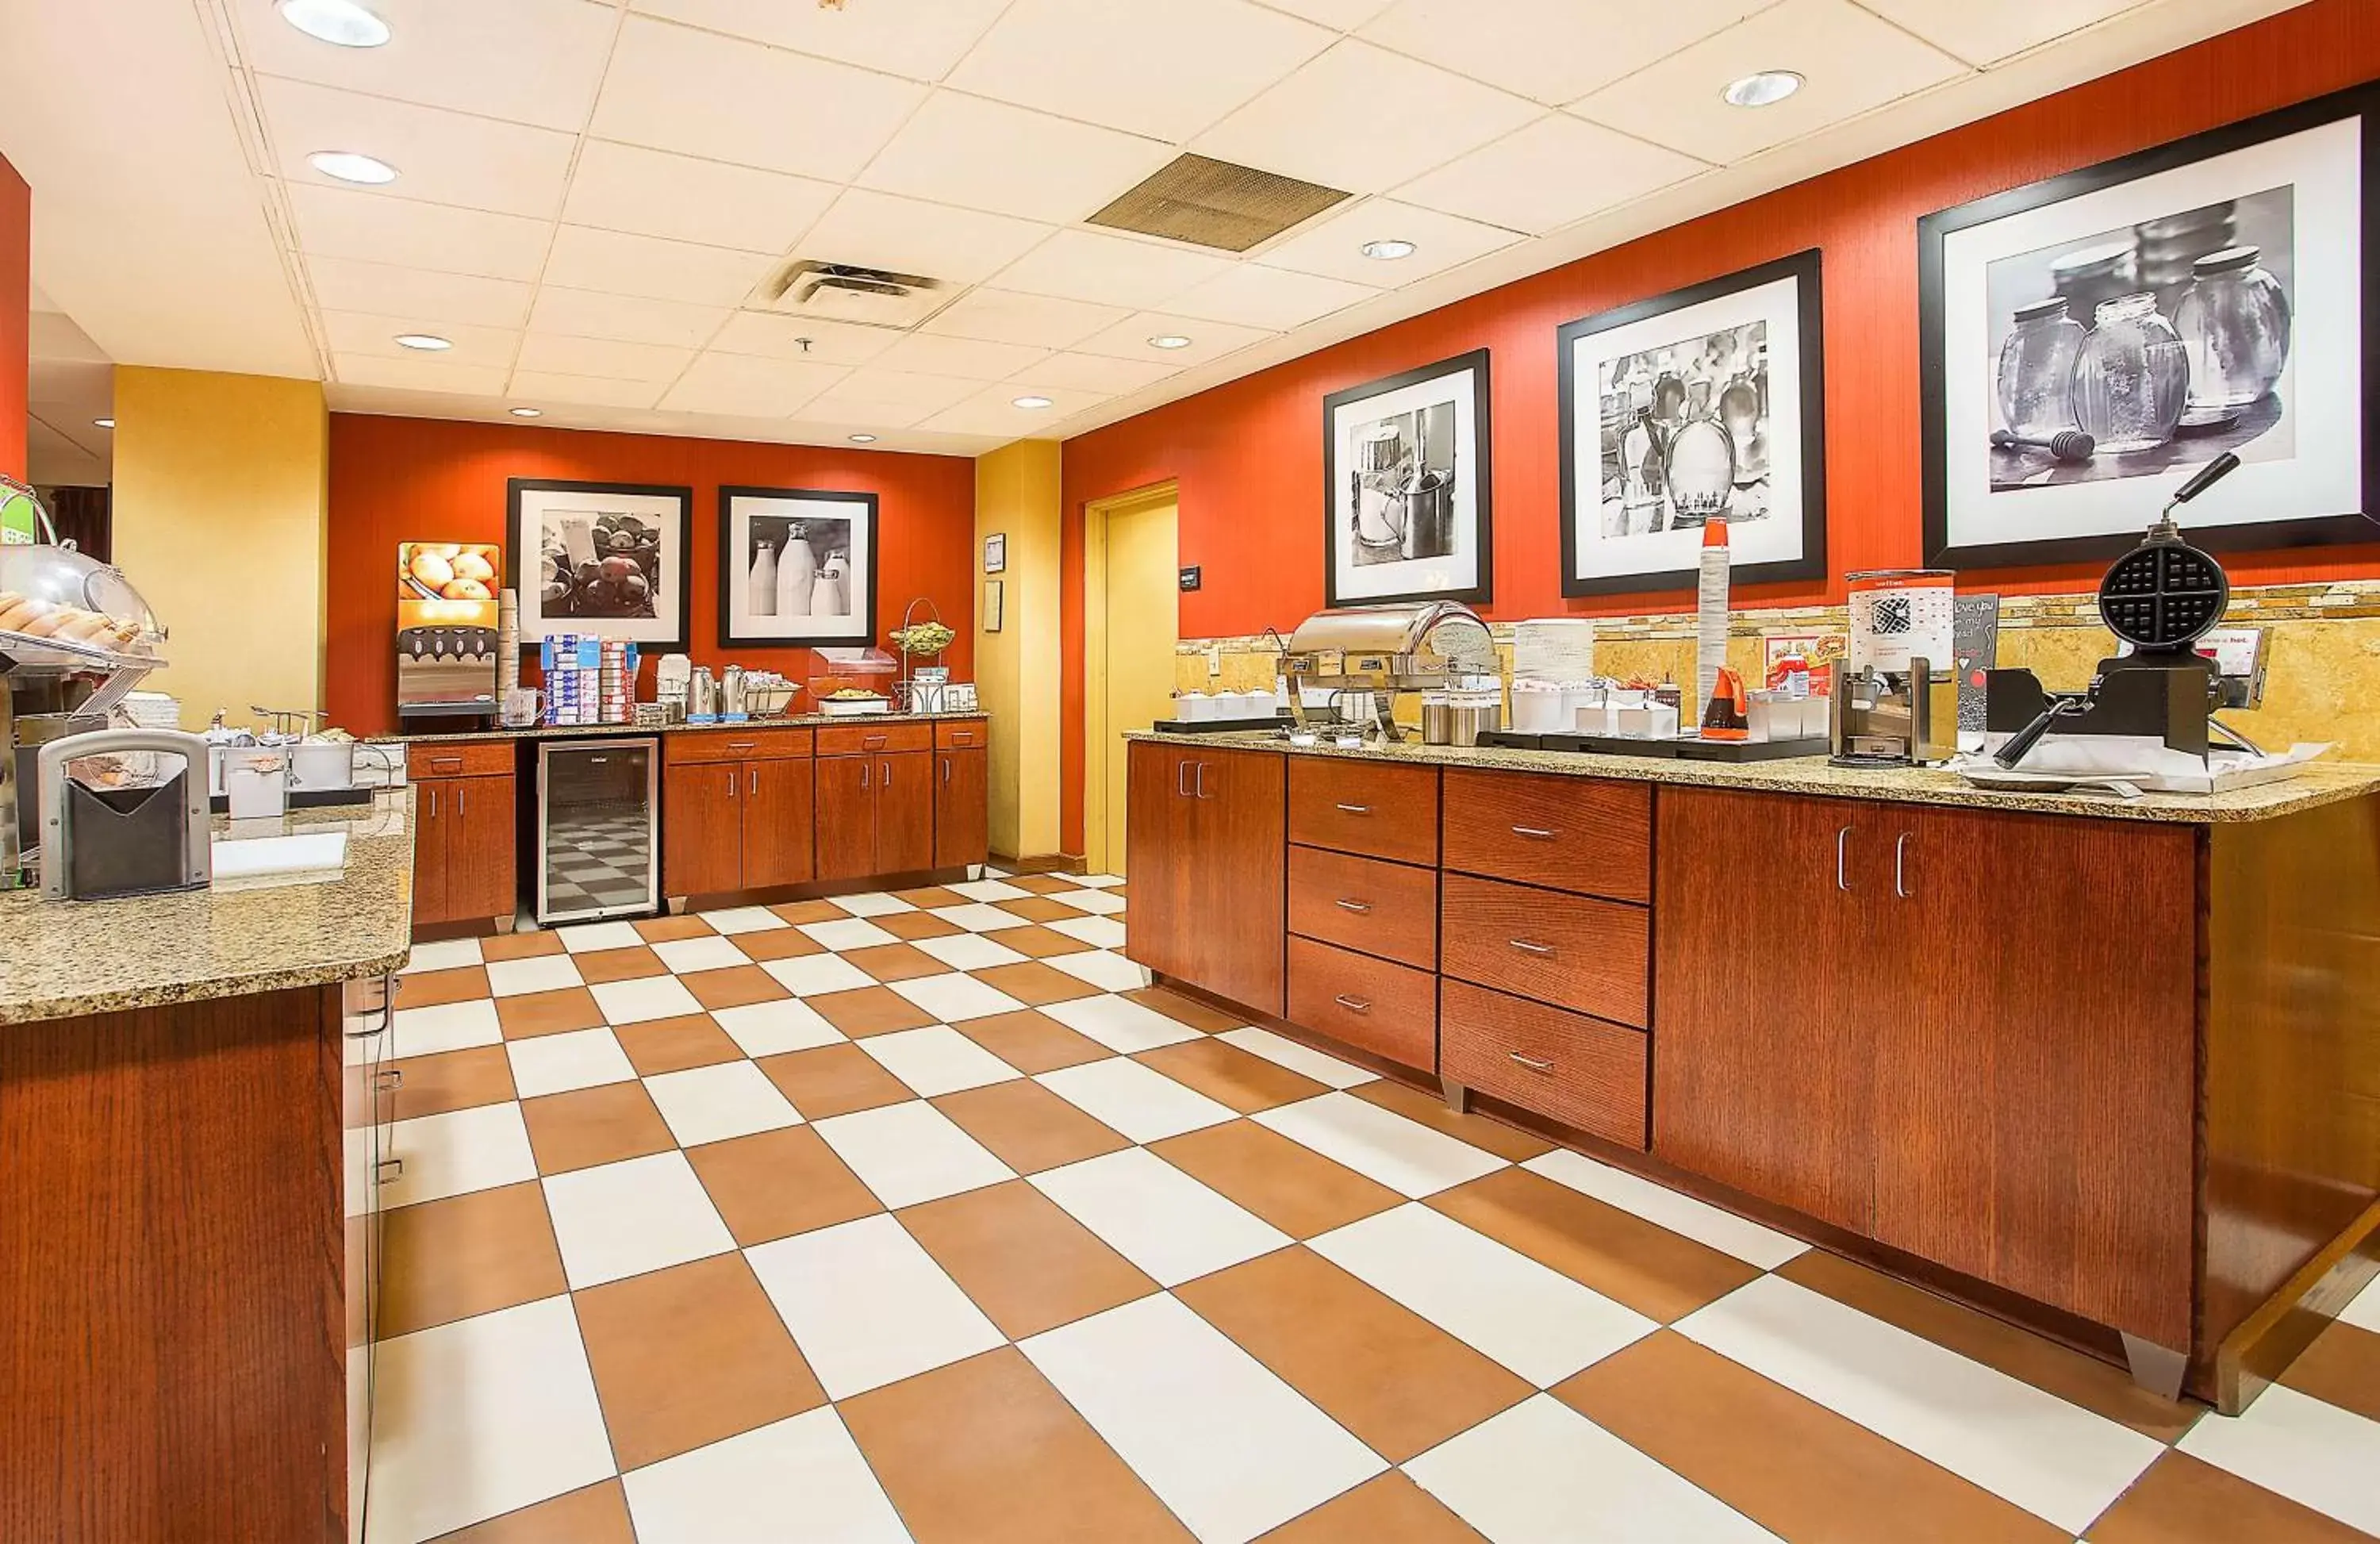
x=1139 y=1101
x=867 y=1306
x=1096 y=882
x=448 y=1026
x=539 y=973
x=797 y=1480
x=2364 y=1312
x=990 y=890
x=812 y=975
x=447 y=955
x=1230 y=1447
x=1284 y=1052
x=557 y=1063
x=713 y=1103
x=686 y=955
x=979 y=917
x=2306 y=1449
x=480 y=1416
x=848 y=933
x=1541 y=1473
x=1098 y=902
x=743 y=920
x=649 y=998
x=936 y=1059
x=625 y=1218
x=1119 y=1023
x=461 y=1149
x=954 y=998
x=768 y=1028
x=588 y=937
x=1154 y=1215
x=969 y=951
x=911 y=1152
x=1675 y=1211
x=2055 y=1460
x=1099 y=932
x=1534 y=1321
x=874 y=903
x=1103 y=968
x=1406 y=1156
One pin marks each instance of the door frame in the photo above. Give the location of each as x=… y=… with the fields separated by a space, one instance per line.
x=1099 y=743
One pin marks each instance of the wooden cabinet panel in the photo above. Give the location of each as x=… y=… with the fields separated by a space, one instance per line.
x=1388 y=1010
x=743 y=743
x=1365 y=807
x=482 y=871
x=776 y=823
x=961 y=808
x=460 y=758
x=905 y=813
x=1580 y=1071
x=874 y=736
x=1239 y=846
x=1157 y=858
x=432 y=800
x=847 y=817
x=1563 y=833
x=1588 y=955
x=962 y=734
x=703 y=829
x=1385 y=910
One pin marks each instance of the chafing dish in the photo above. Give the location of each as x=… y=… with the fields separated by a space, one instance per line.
x=1377 y=651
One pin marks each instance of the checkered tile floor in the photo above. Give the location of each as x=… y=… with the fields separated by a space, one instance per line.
x=921 y=1216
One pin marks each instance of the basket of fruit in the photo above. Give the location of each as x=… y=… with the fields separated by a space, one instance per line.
x=852 y=702
x=922 y=640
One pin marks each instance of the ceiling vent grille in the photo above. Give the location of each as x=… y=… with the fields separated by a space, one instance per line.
x=865 y=297
x=1214 y=203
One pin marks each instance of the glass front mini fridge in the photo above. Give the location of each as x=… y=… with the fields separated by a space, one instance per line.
x=598 y=840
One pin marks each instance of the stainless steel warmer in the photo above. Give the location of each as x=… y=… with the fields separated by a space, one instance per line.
x=1381 y=651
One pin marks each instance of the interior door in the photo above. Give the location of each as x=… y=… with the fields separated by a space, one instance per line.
x=905 y=813
x=962 y=806
x=777 y=823
x=1143 y=605
x=847 y=817
x=702 y=828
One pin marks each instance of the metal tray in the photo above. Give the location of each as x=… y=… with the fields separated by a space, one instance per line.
x=1218 y=725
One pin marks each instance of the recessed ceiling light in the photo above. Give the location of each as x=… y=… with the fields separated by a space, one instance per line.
x=353 y=166
x=863 y=439
x=344 y=22
x=1761 y=88
x=1169 y=340
x=105 y=423
x=528 y=412
x=1031 y=402
x=1388 y=252
x=429 y=343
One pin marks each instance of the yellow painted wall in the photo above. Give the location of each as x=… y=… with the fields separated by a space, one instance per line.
x=1016 y=495
x=219 y=519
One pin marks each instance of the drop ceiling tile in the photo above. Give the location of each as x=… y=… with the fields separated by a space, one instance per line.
x=584 y=313
x=441 y=157
x=879 y=230
x=1983 y=35
x=1344 y=15
x=333 y=221
x=874 y=391
x=750 y=387
x=651 y=192
x=673 y=87
x=1851 y=59
x=537 y=388
x=1557 y=170
x=1555 y=51
x=345 y=284
x=1334 y=247
x=921 y=42
x=358 y=333
x=969 y=358
x=1110 y=270
x=1166 y=69
x=1092 y=372
x=418 y=375
x=460 y=55
x=771 y=336
x=1276 y=299
x=992 y=412
x=962 y=149
x=548 y=353
x=1363 y=118
x=1006 y=316
x=614 y=263
x=1128 y=339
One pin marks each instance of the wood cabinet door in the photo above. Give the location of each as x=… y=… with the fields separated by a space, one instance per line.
x=702 y=828
x=1156 y=839
x=1237 y=924
x=962 y=808
x=1765 y=1001
x=847 y=817
x=482 y=869
x=430 y=801
x=777 y=823
x=905 y=813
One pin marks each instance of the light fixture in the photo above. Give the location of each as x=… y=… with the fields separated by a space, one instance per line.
x=1388 y=252
x=863 y=439
x=105 y=423
x=528 y=412
x=349 y=165
x=344 y=22
x=1169 y=340
x=429 y=343
x=1763 y=87
x=1030 y=402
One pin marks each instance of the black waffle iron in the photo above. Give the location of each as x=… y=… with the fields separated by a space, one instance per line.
x=2161 y=598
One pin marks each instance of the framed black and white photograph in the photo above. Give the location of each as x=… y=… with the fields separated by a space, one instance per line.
x=797 y=569
x=2089 y=339
x=1406 y=486
x=600 y=559
x=1705 y=403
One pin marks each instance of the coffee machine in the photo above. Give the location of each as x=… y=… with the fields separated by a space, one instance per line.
x=1897 y=697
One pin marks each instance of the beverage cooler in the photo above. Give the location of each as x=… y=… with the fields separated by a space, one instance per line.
x=598 y=836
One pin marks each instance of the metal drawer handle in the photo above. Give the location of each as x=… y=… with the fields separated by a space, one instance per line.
x=871 y=741
x=740 y=745
x=1201 y=781
x=1532 y=1063
x=1358 y=907
x=446 y=760
x=1842 y=842
x=1355 y=808
x=385 y=1164
x=393 y=1077
x=1182 y=778
x=1899 y=855
x=1352 y=1005
x=1533 y=834
x=1526 y=947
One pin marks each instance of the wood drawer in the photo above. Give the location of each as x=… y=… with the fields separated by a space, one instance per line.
x=1364 y=807
x=1589 y=955
x=1568 y=1067
x=964 y=734
x=1388 y=1010
x=460 y=758
x=739 y=744
x=874 y=737
x=1373 y=908
x=1575 y=834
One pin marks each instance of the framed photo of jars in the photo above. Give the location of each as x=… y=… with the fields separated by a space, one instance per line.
x=797 y=569
x=2088 y=340
x=1706 y=404
x=1406 y=489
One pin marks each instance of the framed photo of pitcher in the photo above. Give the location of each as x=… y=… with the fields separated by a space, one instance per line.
x=797 y=569
x=1705 y=403
x=1407 y=490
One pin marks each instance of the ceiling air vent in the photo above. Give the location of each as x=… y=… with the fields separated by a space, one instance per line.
x=1214 y=203
x=867 y=297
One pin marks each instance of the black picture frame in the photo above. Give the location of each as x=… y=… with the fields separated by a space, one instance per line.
x=532 y=609
x=1933 y=230
x=866 y=515
x=1806 y=269
x=1483 y=481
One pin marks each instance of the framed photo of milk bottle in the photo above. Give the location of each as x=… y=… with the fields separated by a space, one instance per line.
x=797 y=569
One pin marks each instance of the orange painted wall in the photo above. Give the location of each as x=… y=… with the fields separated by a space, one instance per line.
x=16 y=313
x=1248 y=455
x=396 y=479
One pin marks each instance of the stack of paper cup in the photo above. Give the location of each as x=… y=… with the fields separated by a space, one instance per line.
x=507 y=643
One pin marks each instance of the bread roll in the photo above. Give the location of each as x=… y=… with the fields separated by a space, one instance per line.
x=48 y=623
x=18 y=617
x=89 y=626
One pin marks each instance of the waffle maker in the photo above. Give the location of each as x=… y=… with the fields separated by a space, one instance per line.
x=2161 y=598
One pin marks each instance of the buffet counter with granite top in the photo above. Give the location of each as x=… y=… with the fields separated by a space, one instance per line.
x=602 y=731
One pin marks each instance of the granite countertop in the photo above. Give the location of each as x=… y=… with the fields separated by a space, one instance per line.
x=598 y=731
x=65 y=959
x=2319 y=784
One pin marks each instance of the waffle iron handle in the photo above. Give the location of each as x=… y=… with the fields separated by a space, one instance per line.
x=2208 y=476
x=2024 y=740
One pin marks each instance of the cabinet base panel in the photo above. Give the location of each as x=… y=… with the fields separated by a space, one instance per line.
x=2268 y=1340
